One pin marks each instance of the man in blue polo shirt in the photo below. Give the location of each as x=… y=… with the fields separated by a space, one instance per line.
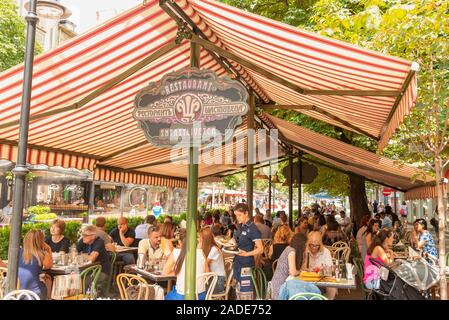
x=247 y=238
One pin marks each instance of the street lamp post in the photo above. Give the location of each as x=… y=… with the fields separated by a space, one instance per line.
x=20 y=170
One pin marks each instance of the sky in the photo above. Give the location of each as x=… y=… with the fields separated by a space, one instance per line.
x=84 y=11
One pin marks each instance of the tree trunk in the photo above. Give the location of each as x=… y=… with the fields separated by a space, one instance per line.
x=441 y=193
x=357 y=197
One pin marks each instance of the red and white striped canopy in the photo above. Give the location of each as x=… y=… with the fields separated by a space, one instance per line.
x=351 y=158
x=103 y=131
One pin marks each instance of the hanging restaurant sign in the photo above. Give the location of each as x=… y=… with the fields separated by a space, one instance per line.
x=190 y=107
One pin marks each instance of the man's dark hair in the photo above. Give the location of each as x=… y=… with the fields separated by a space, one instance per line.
x=150 y=219
x=242 y=207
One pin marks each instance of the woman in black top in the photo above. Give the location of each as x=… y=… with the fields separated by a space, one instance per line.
x=57 y=241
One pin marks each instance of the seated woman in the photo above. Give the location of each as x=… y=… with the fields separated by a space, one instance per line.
x=34 y=256
x=281 y=241
x=289 y=264
x=167 y=234
x=371 y=230
x=175 y=265
x=379 y=249
x=303 y=226
x=333 y=233
x=57 y=241
x=318 y=257
x=215 y=260
x=425 y=240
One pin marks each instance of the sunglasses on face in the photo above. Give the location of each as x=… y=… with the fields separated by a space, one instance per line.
x=313 y=245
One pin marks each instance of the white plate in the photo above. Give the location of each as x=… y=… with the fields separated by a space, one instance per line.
x=230 y=251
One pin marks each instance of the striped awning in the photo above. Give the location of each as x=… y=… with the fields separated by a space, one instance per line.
x=134 y=177
x=350 y=158
x=75 y=130
x=426 y=192
x=323 y=67
x=50 y=158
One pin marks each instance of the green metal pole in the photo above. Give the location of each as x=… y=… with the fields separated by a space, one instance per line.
x=192 y=203
x=250 y=153
x=290 y=192
x=20 y=170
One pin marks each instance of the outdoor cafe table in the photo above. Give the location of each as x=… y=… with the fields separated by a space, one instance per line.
x=121 y=249
x=155 y=277
x=67 y=269
x=338 y=284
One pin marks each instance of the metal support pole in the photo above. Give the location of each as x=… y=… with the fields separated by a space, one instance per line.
x=269 y=188
x=290 y=192
x=20 y=170
x=250 y=153
x=91 y=198
x=192 y=203
x=299 y=186
x=396 y=203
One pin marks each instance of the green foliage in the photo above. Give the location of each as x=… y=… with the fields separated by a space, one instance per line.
x=38 y=210
x=334 y=183
x=12 y=36
x=111 y=223
x=72 y=232
x=45 y=216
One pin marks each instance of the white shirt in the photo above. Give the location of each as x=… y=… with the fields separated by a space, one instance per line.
x=322 y=258
x=217 y=263
x=7 y=210
x=200 y=268
x=142 y=231
x=361 y=240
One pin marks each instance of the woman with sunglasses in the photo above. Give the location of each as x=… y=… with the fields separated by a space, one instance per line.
x=317 y=257
x=425 y=240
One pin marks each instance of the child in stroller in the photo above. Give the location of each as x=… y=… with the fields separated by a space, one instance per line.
x=405 y=280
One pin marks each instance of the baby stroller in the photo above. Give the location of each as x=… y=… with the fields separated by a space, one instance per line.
x=405 y=280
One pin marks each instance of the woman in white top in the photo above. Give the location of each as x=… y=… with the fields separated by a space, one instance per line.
x=361 y=241
x=317 y=256
x=176 y=266
x=215 y=260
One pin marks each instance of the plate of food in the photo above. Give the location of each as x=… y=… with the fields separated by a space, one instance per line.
x=231 y=250
x=225 y=242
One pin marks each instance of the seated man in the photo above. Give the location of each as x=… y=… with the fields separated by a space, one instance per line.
x=124 y=236
x=100 y=223
x=91 y=244
x=151 y=246
x=142 y=229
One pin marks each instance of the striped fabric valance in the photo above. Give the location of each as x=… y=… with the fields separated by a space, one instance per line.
x=425 y=192
x=110 y=175
x=49 y=158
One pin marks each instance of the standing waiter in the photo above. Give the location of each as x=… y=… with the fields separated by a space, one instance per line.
x=247 y=238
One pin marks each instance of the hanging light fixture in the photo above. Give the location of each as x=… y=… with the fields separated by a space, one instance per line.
x=261 y=175
x=50 y=12
x=275 y=179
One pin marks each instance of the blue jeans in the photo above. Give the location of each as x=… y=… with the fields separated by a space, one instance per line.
x=127 y=258
x=174 y=295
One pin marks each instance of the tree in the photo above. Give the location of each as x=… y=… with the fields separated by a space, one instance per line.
x=416 y=30
x=12 y=35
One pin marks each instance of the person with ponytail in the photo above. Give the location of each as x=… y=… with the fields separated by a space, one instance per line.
x=35 y=255
x=380 y=250
x=175 y=265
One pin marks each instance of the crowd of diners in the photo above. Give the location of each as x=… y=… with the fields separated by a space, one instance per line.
x=302 y=249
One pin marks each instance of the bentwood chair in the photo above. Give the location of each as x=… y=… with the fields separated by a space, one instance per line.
x=89 y=279
x=3 y=272
x=342 y=253
x=210 y=281
x=307 y=296
x=111 y=278
x=21 y=295
x=340 y=244
x=274 y=265
x=228 y=284
x=259 y=282
x=132 y=287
